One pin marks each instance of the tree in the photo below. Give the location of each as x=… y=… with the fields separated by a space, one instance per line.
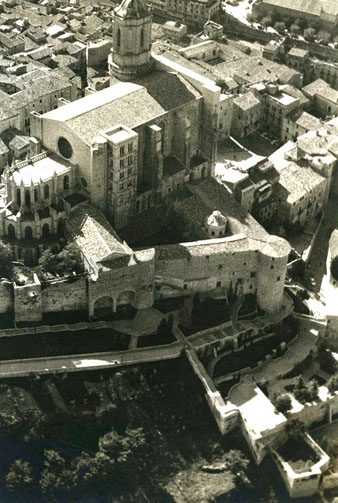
x=266 y=21
x=306 y=392
x=56 y=478
x=309 y=34
x=20 y=475
x=6 y=266
x=280 y=26
x=325 y=36
x=282 y=403
x=65 y=262
x=98 y=467
x=122 y=448
x=295 y=29
x=326 y=360
x=333 y=384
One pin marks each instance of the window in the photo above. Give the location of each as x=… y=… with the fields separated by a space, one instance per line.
x=253 y=274
x=46 y=191
x=118 y=37
x=121 y=163
x=218 y=284
x=278 y=278
x=122 y=175
x=130 y=159
x=65 y=182
x=130 y=170
x=65 y=148
x=142 y=37
x=272 y=267
x=130 y=147
x=122 y=150
x=36 y=195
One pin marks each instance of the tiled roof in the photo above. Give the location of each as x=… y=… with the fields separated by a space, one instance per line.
x=314 y=88
x=298 y=181
x=313 y=7
x=124 y=103
x=247 y=101
x=94 y=235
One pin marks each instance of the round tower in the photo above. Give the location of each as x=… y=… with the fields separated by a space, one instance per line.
x=131 y=53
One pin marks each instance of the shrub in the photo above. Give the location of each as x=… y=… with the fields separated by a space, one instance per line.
x=282 y=403
x=325 y=36
x=280 y=26
x=6 y=266
x=64 y=262
x=295 y=29
x=266 y=21
x=309 y=34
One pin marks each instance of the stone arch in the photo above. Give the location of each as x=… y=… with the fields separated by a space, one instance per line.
x=28 y=232
x=46 y=191
x=11 y=231
x=103 y=306
x=45 y=231
x=65 y=182
x=126 y=297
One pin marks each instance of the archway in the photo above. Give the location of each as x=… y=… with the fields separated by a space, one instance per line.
x=65 y=182
x=11 y=231
x=125 y=310
x=103 y=307
x=28 y=233
x=59 y=230
x=45 y=231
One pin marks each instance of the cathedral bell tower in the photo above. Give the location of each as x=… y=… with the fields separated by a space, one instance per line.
x=131 y=53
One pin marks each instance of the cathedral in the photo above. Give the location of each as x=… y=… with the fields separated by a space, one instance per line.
x=104 y=159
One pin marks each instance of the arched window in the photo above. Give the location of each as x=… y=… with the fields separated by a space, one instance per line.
x=18 y=196
x=28 y=233
x=60 y=227
x=27 y=197
x=45 y=231
x=11 y=231
x=46 y=191
x=36 y=195
x=66 y=182
x=118 y=37
x=142 y=37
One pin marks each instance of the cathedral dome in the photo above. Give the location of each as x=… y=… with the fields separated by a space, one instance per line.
x=132 y=9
